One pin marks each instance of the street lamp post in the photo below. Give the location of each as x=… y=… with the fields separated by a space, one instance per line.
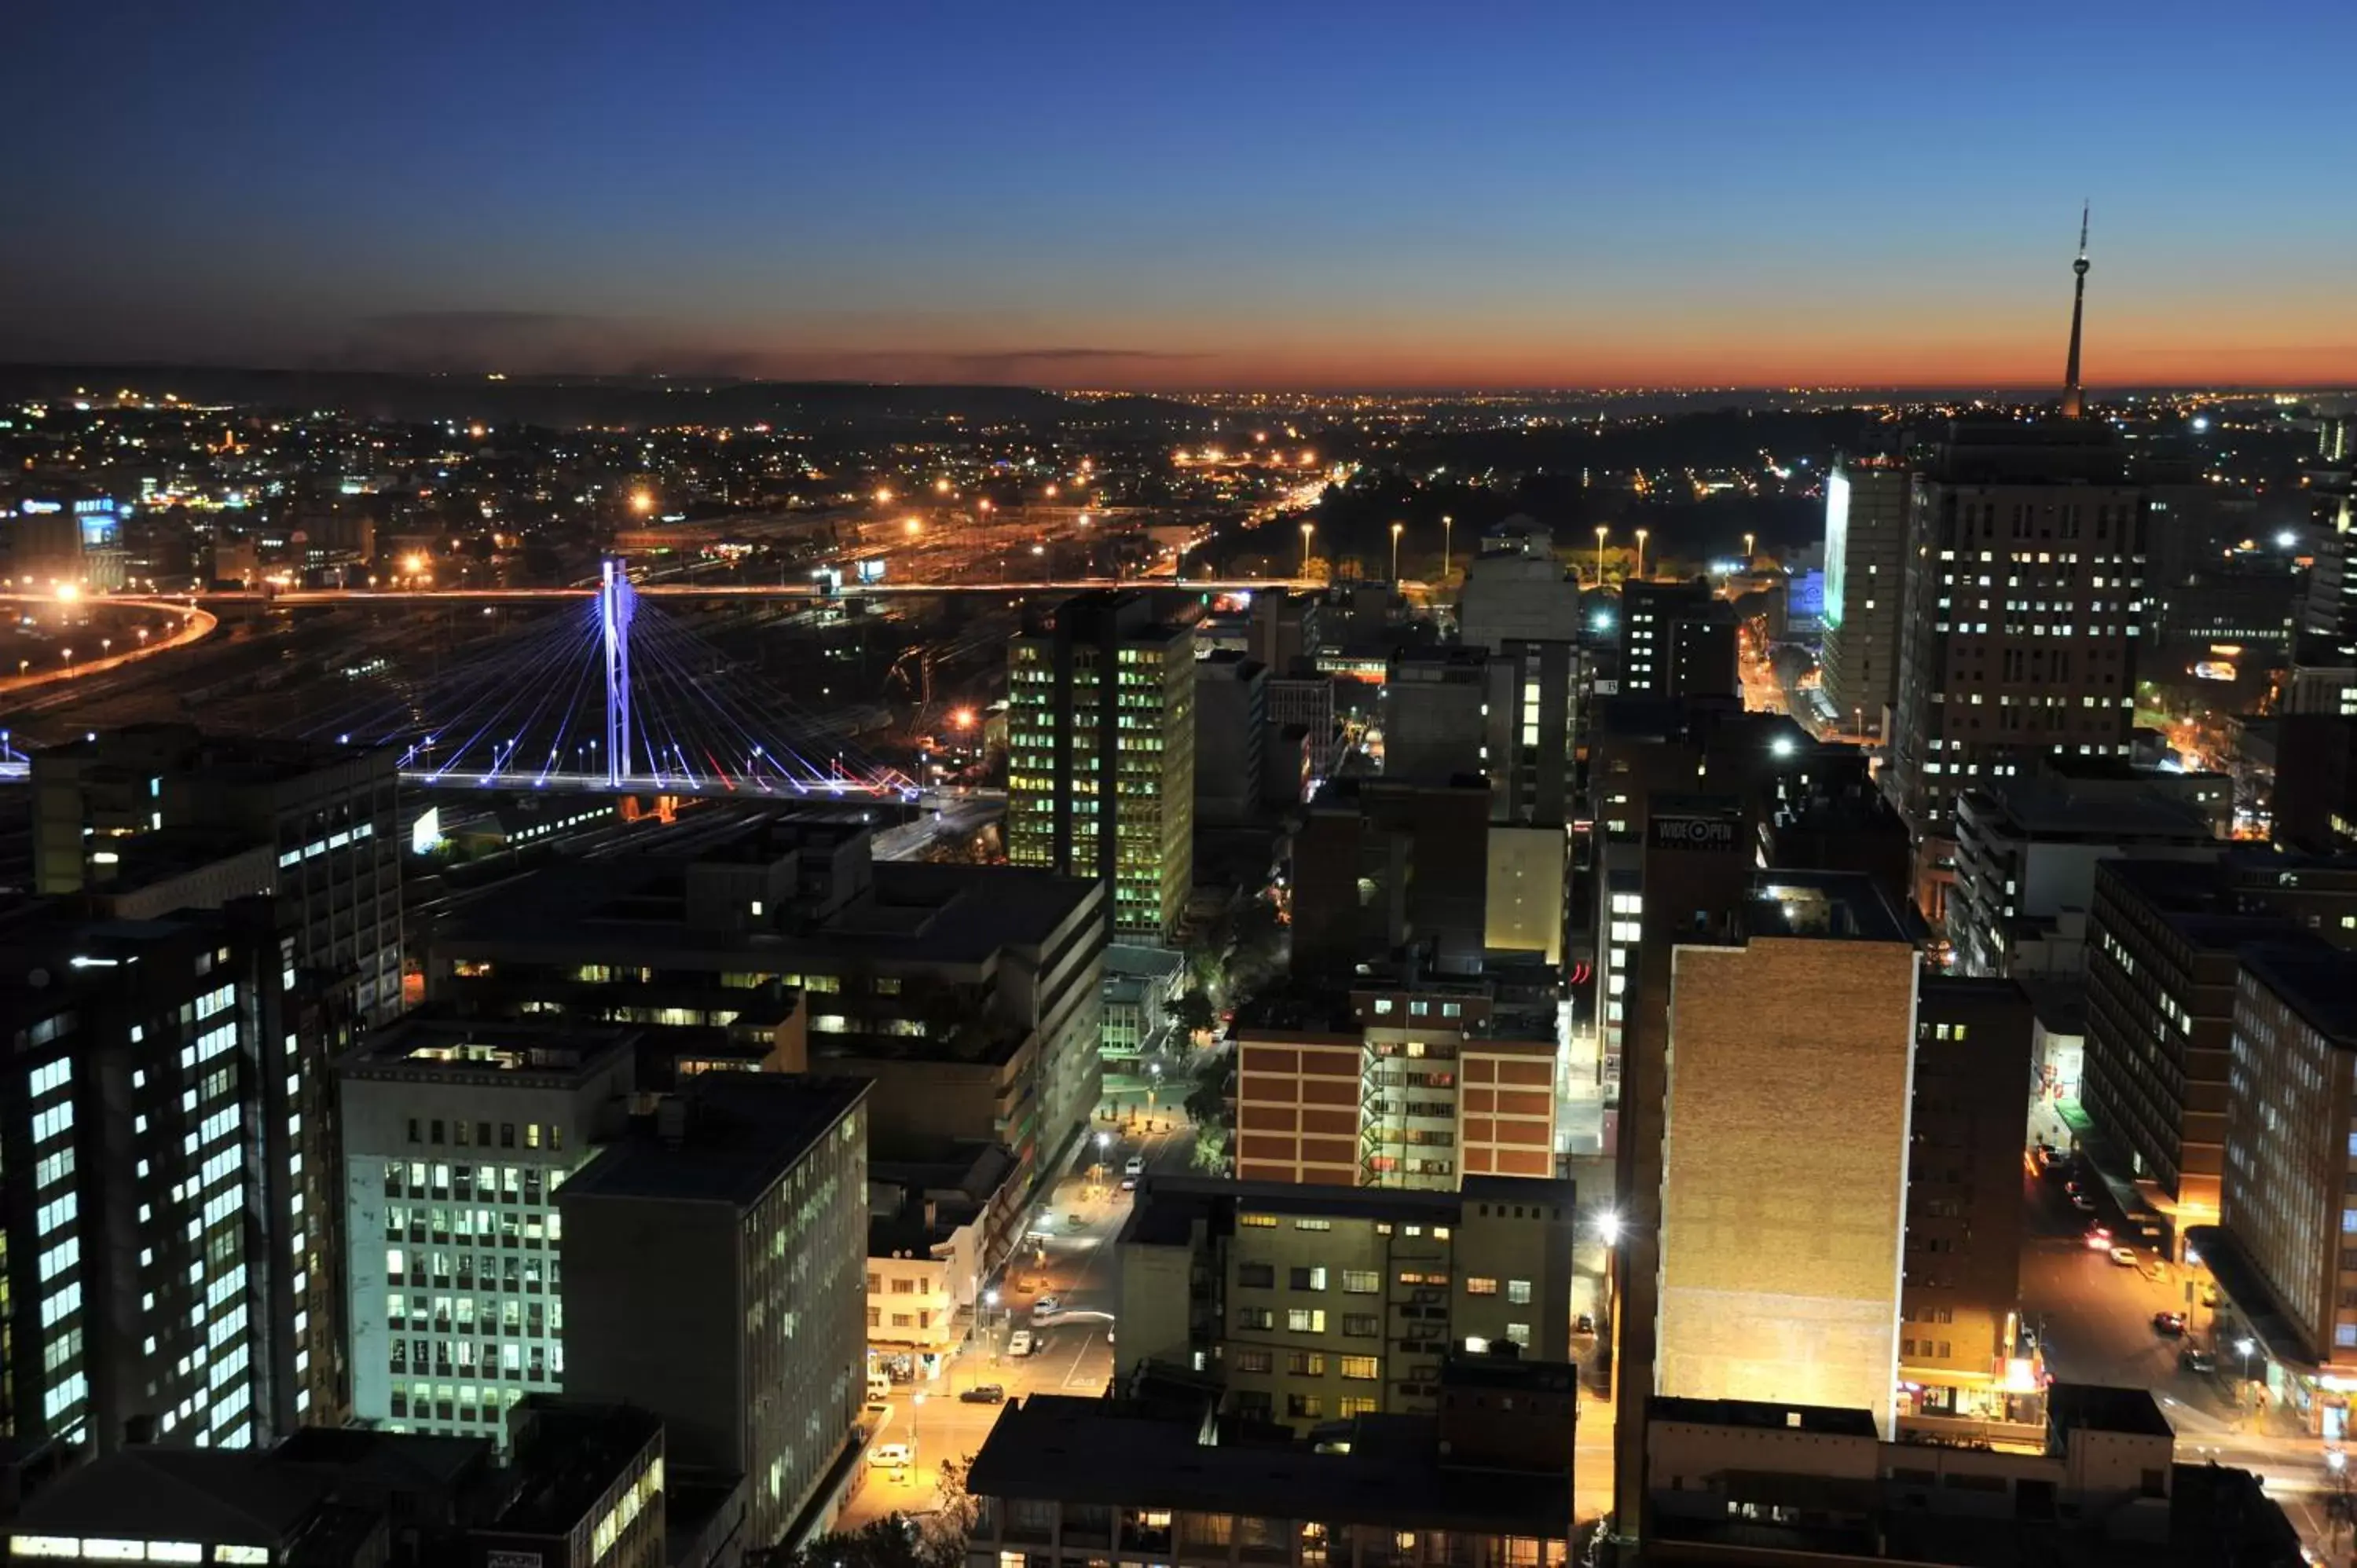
x=1601 y=530
x=1444 y=531
x=1306 y=530
x=1748 y=550
x=1640 y=552
x=2242 y=1348
x=1397 y=529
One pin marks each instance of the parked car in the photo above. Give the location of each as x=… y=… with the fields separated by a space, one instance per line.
x=2125 y=1257
x=1133 y=1165
x=1047 y=1304
x=892 y=1457
x=1020 y=1343
x=2194 y=1360
x=2171 y=1324
x=983 y=1393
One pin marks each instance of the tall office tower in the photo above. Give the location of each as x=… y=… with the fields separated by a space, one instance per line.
x=2331 y=612
x=2289 y=1168
x=1101 y=764
x=145 y=1133
x=2024 y=605
x=1865 y=556
x=1798 y=1019
x=715 y=1274
x=1516 y=590
x=1436 y=707
x=1230 y=735
x=1959 y=1306
x=1677 y=640
x=1506 y=714
x=326 y=812
x=456 y=1137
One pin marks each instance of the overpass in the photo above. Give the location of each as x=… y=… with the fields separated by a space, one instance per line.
x=809 y=591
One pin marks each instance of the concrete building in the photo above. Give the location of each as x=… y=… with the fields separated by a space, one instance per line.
x=2290 y=1174
x=327 y=813
x=713 y=1266
x=969 y=996
x=1309 y=1304
x=1379 y=864
x=1101 y=755
x=2023 y=613
x=941 y=1221
x=2162 y=966
x=2096 y=1483
x=1304 y=743
x=1401 y=1081
x=1435 y=715
x=1529 y=876
x=1767 y=1291
x=457 y=1138
x=2026 y=851
x=1516 y=590
x=1959 y=1306
x=1865 y=557
x=1533 y=740
x=1231 y=736
x=1677 y=640
x=1485 y=1480
x=1285 y=634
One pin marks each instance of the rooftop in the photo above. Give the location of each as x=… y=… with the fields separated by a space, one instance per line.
x=1816 y=1418
x=1841 y=906
x=1091 y=1451
x=524 y=1053
x=1166 y=1207
x=2098 y=1407
x=568 y=1454
x=2316 y=982
x=2056 y=809
x=732 y=1137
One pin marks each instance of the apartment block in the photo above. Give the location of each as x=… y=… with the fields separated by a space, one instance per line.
x=457 y=1137
x=1404 y=1082
x=1314 y=1303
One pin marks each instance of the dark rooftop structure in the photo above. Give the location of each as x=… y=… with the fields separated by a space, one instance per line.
x=2318 y=983
x=1843 y=906
x=1386 y=1471
x=1764 y=1414
x=1167 y=1208
x=727 y=1139
x=2099 y=1407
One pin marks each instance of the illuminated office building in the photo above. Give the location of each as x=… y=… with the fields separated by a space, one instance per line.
x=1101 y=755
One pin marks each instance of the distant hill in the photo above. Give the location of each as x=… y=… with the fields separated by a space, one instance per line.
x=571 y=402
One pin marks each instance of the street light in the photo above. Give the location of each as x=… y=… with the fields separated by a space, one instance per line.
x=1601 y=530
x=1397 y=529
x=2242 y=1348
x=1640 y=552
x=1445 y=530
x=1748 y=550
x=1306 y=530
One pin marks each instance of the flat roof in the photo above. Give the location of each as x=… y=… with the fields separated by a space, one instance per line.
x=2318 y=983
x=741 y=1134
x=2099 y=1407
x=2056 y=809
x=1765 y=1415
x=1841 y=906
x=525 y=1051
x=1166 y=1205
x=1091 y=1451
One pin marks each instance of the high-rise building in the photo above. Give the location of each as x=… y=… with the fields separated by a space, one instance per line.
x=2024 y=609
x=1505 y=714
x=1316 y=1303
x=1865 y=555
x=151 y=1141
x=457 y=1138
x=2289 y=1169
x=1231 y=736
x=1959 y=1303
x=1435 y=719
x=1800 y=1018
x=1516 y=591
x=1379 y=864
x=1677 y=640
x=715 y=1273
x=1101 y=755
x=327 y=813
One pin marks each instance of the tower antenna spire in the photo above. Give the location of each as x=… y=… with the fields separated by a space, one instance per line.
x=2074 y=401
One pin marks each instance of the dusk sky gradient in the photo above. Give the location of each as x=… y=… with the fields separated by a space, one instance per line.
x=1287 y=195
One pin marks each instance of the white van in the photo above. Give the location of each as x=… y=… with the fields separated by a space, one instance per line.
x=1020 y=1343
x=892 y=1457
x=879 y=1386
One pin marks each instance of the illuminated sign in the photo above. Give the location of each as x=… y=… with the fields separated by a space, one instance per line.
x=426 y=832
x=1709 y=833
x=39 y=509
x=1836 y=544
x=871 y=569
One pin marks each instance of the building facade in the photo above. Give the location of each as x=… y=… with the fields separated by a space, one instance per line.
x=1101 y=756
x=1865 y=554
x=457 y=1139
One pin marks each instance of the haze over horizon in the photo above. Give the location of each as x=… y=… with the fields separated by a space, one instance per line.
x=1052 y=195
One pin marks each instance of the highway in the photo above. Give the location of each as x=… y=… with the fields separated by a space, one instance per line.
x=299 y=597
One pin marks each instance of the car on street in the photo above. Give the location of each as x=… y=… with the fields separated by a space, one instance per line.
x=891 y=1456
x=1047 y=1304
x=983 y=1393
x=2194 y=1360
x=1129 y=1184
x=2171 y=1324
x=2082 y=1203
x=1020 y=1343
x=1075 y=1222
x=2125 y=1257
x=1133 y=1165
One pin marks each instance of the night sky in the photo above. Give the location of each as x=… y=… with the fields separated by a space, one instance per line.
x=1121 y=194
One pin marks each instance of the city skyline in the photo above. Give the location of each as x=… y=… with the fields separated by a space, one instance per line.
x=1062 y=198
